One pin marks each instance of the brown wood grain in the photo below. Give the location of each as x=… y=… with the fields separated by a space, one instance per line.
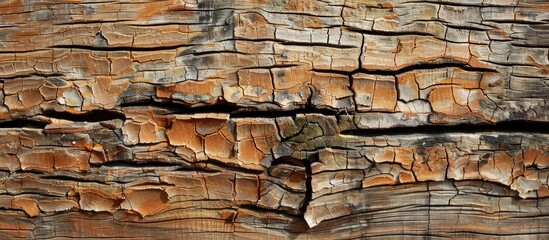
x=253 y=119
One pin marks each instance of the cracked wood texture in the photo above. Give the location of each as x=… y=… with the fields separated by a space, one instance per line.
x=247 y=119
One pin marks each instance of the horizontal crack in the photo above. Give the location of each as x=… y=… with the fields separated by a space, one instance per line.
x=516 y=126
x=72 y=179
x=174 y=107
x=140 y=49
x=90 y=116
x=308 y=185
x=415 y=67
x=23 y=123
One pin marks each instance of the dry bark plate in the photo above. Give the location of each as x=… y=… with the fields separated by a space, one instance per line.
x=274 y=118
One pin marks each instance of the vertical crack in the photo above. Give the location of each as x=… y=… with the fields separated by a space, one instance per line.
x=308 y=186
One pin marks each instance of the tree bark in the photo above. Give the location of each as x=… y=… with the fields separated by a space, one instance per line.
x=274 y=119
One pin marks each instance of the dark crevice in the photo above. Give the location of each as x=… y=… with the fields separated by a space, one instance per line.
x=288 y=211
x=229 y=167
x=132 y=163
x=30 y=171
x=533 y=45
x=316 y=44
x=34 y=74
x=500 y=235
x=260 y=209
x=152 y=103
x=252 y=113
x=472 y=26
x=90 y=116
x=163 y=24
x=90 y=22
x=287 y=160
x=410 y=235
x=458 y=4
x=21 y=51
x=139 y=49
x=515 y=21
x=174 y=107
x=71 y=179
x=211 y=166
x=387 y=33
x=269 y=67
x=23 y=123
x=492 y=185
x=203 y=53
x=515 y=126
x=234 y=110
x=308 y=184
x=219 y=107
x=415 y=67
x=243 y=39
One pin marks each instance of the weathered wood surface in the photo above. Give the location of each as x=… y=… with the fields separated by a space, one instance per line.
x=274 y=118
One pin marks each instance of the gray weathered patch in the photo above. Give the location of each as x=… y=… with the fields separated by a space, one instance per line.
x=191 y=97
x=56 y=81
x=100 y=40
